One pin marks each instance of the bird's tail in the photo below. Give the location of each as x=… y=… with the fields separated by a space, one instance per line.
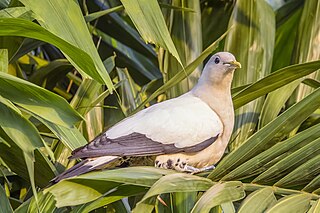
x=85 y=166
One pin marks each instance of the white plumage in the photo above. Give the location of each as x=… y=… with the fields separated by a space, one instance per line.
x=184 y=121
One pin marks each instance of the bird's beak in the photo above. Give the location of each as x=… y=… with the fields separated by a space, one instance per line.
x=235 y=64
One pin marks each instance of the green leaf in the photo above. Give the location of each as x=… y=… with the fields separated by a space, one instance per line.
x=285 y=39
x=219 y=194
x=20 y=130
x=312 y=185
x=136 y=63
x=268 y=135
x=275 y=102
x=252 y=42
x=17 y=12
x=122 y=191
x=70 y=25
x=228 y=207
x=186 y=34
x=290 y=163
x=71 y=137
x=274 y=81
x=48 y=76
x=4 y=60
x=178 y=182
x=96 y=15
x=30 y=167
x=184 y=201
x=18 y=166
x=80 y=59
x=148 y=19
x=301 y=174
x=43 y=168
x=73 y=192
x=293 y=203
x=45 y=203
x=38 y=100
x=90 y=186
x=306 y=42
x=251 y=166
x=4 y=202
x=258 y=201
x=12 y=44
x=315 y=207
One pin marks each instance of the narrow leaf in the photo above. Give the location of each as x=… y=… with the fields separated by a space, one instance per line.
x=293 y=203
x=267 y=156
x=258 y=201
x=70 y=25
x=148 y=19
x=178 y=182
x=90 y=186
x=4 y=60
x=315 y=207
x=80 y=59
x=301 y=174
x=20 y=130
x=218 y=194
x=274 y=81
x=312 y=185
x=290 y=163
x=4 y=202
x=38 y=100
x=96 y=15
x=252 y=43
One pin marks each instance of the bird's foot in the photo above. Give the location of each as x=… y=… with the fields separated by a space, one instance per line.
x=180 y=165
x=203 y=169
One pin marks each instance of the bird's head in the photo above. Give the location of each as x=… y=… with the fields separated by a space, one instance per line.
x=220 y=66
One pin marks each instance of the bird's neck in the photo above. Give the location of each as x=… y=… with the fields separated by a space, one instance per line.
x=218 y=97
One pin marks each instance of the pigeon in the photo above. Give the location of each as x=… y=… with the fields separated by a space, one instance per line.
x=188 y=133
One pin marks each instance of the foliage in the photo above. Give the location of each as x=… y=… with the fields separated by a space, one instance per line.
x=69 y=70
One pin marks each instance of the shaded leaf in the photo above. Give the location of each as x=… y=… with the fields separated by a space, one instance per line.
x=20 y=27
x=252 y=42
x=148 y=19
x=37 y=100
x=70 y=25
x=4 y=202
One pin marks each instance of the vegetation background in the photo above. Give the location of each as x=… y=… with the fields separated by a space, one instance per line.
x=70 y=69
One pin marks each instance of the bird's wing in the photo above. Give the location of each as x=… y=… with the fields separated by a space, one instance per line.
x=183 y=124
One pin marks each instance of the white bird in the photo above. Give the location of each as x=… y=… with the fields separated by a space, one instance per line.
x=189 y=133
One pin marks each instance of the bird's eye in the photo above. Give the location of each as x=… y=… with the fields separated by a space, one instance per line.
x=217 y=60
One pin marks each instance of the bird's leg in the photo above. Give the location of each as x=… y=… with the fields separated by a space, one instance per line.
x=204 y=169
x=194 y=170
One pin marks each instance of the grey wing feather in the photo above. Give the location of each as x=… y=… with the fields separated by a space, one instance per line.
x=134 y=144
